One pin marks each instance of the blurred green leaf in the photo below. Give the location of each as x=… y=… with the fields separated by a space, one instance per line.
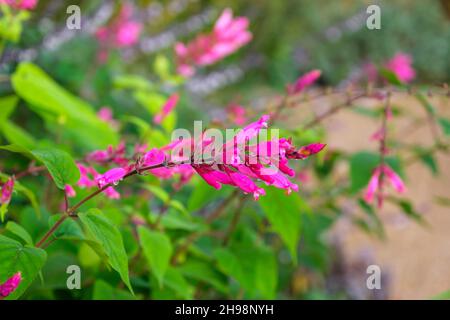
x=104 y=291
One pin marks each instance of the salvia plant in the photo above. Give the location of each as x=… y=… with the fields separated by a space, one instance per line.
x=147 y=210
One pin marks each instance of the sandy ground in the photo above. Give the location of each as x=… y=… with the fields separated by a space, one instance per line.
x=414 y=259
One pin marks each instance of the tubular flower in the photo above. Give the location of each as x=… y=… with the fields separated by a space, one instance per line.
x=229 y=35
x=111 y=154
x=375 y=183
x=7 y=190
x=10 y=285
x=166 y=108
x=304 y=81
x=112 y=176
x=401 y=65
x=241 y=164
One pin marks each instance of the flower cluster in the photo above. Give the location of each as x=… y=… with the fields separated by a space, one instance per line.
x=229 y=34
x=10 y=285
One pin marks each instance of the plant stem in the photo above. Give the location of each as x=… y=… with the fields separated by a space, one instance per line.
x=52 y=230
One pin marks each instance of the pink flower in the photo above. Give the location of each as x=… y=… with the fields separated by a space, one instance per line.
x=266 y=161
x=304 y=81
x=85 y=181
x=401 y=65
x=166 y=108
x=237 y=114
x=20 y=4
x=305 y=151
x=120 y=32
x=127 y=34
x=375 y=183
x=112 y=176
x=7 y=190
x=105 y=114
x=70 y=191
x=10 y=285
x=111 y=193
x=111 y=154
x=229 y=35
x=153 y=158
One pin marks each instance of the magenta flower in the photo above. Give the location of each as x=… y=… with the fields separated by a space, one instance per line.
x=166 y=108
x=237 y=114
x=401 y=65
x=7 y=190
x=304 y=81
x=10 y=285
x=265 y=161
x=112 y=176
x=70 y=191
x=20 y=4
x=153 y=158
x=111 y=154
x=229 y=35
x=111 y=193
x=87 y=176
x=127 y=33
x=375 y=183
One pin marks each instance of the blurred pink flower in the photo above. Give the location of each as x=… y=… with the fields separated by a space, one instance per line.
x=105 y=114
x=237 y=114
x=10 y=285
x=304 y=81
x=401 y=65
x=111 y=193
x=166 y=108
x=229 y=35
x=7 y=190
x=21 y=4
x=70 y=191
x=374 y=183
x=120 y=32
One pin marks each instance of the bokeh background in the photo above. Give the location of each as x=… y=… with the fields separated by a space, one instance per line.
x=290 y=37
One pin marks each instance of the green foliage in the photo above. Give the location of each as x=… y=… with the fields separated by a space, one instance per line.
x=157 y=250
x=101 y=230
x=15 y=257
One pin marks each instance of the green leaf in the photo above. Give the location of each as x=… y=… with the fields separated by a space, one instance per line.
x=157 y=250
x=151 y=101
x=254 y=267
x=58 y=106
x=16 y=135
x=102 y=231
x=203 y=195
x=283 y=213
x=362 y=165
x=14 y=257
x=445 y=124
x=30 y=195
x=19 y=231
x=131 y=82
x=69 y=229
x=8 y=104
x=204 y=271
x=174 y=281
x=104 y=291
x=60 y=165
x=390 y=76
x=428 y=159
